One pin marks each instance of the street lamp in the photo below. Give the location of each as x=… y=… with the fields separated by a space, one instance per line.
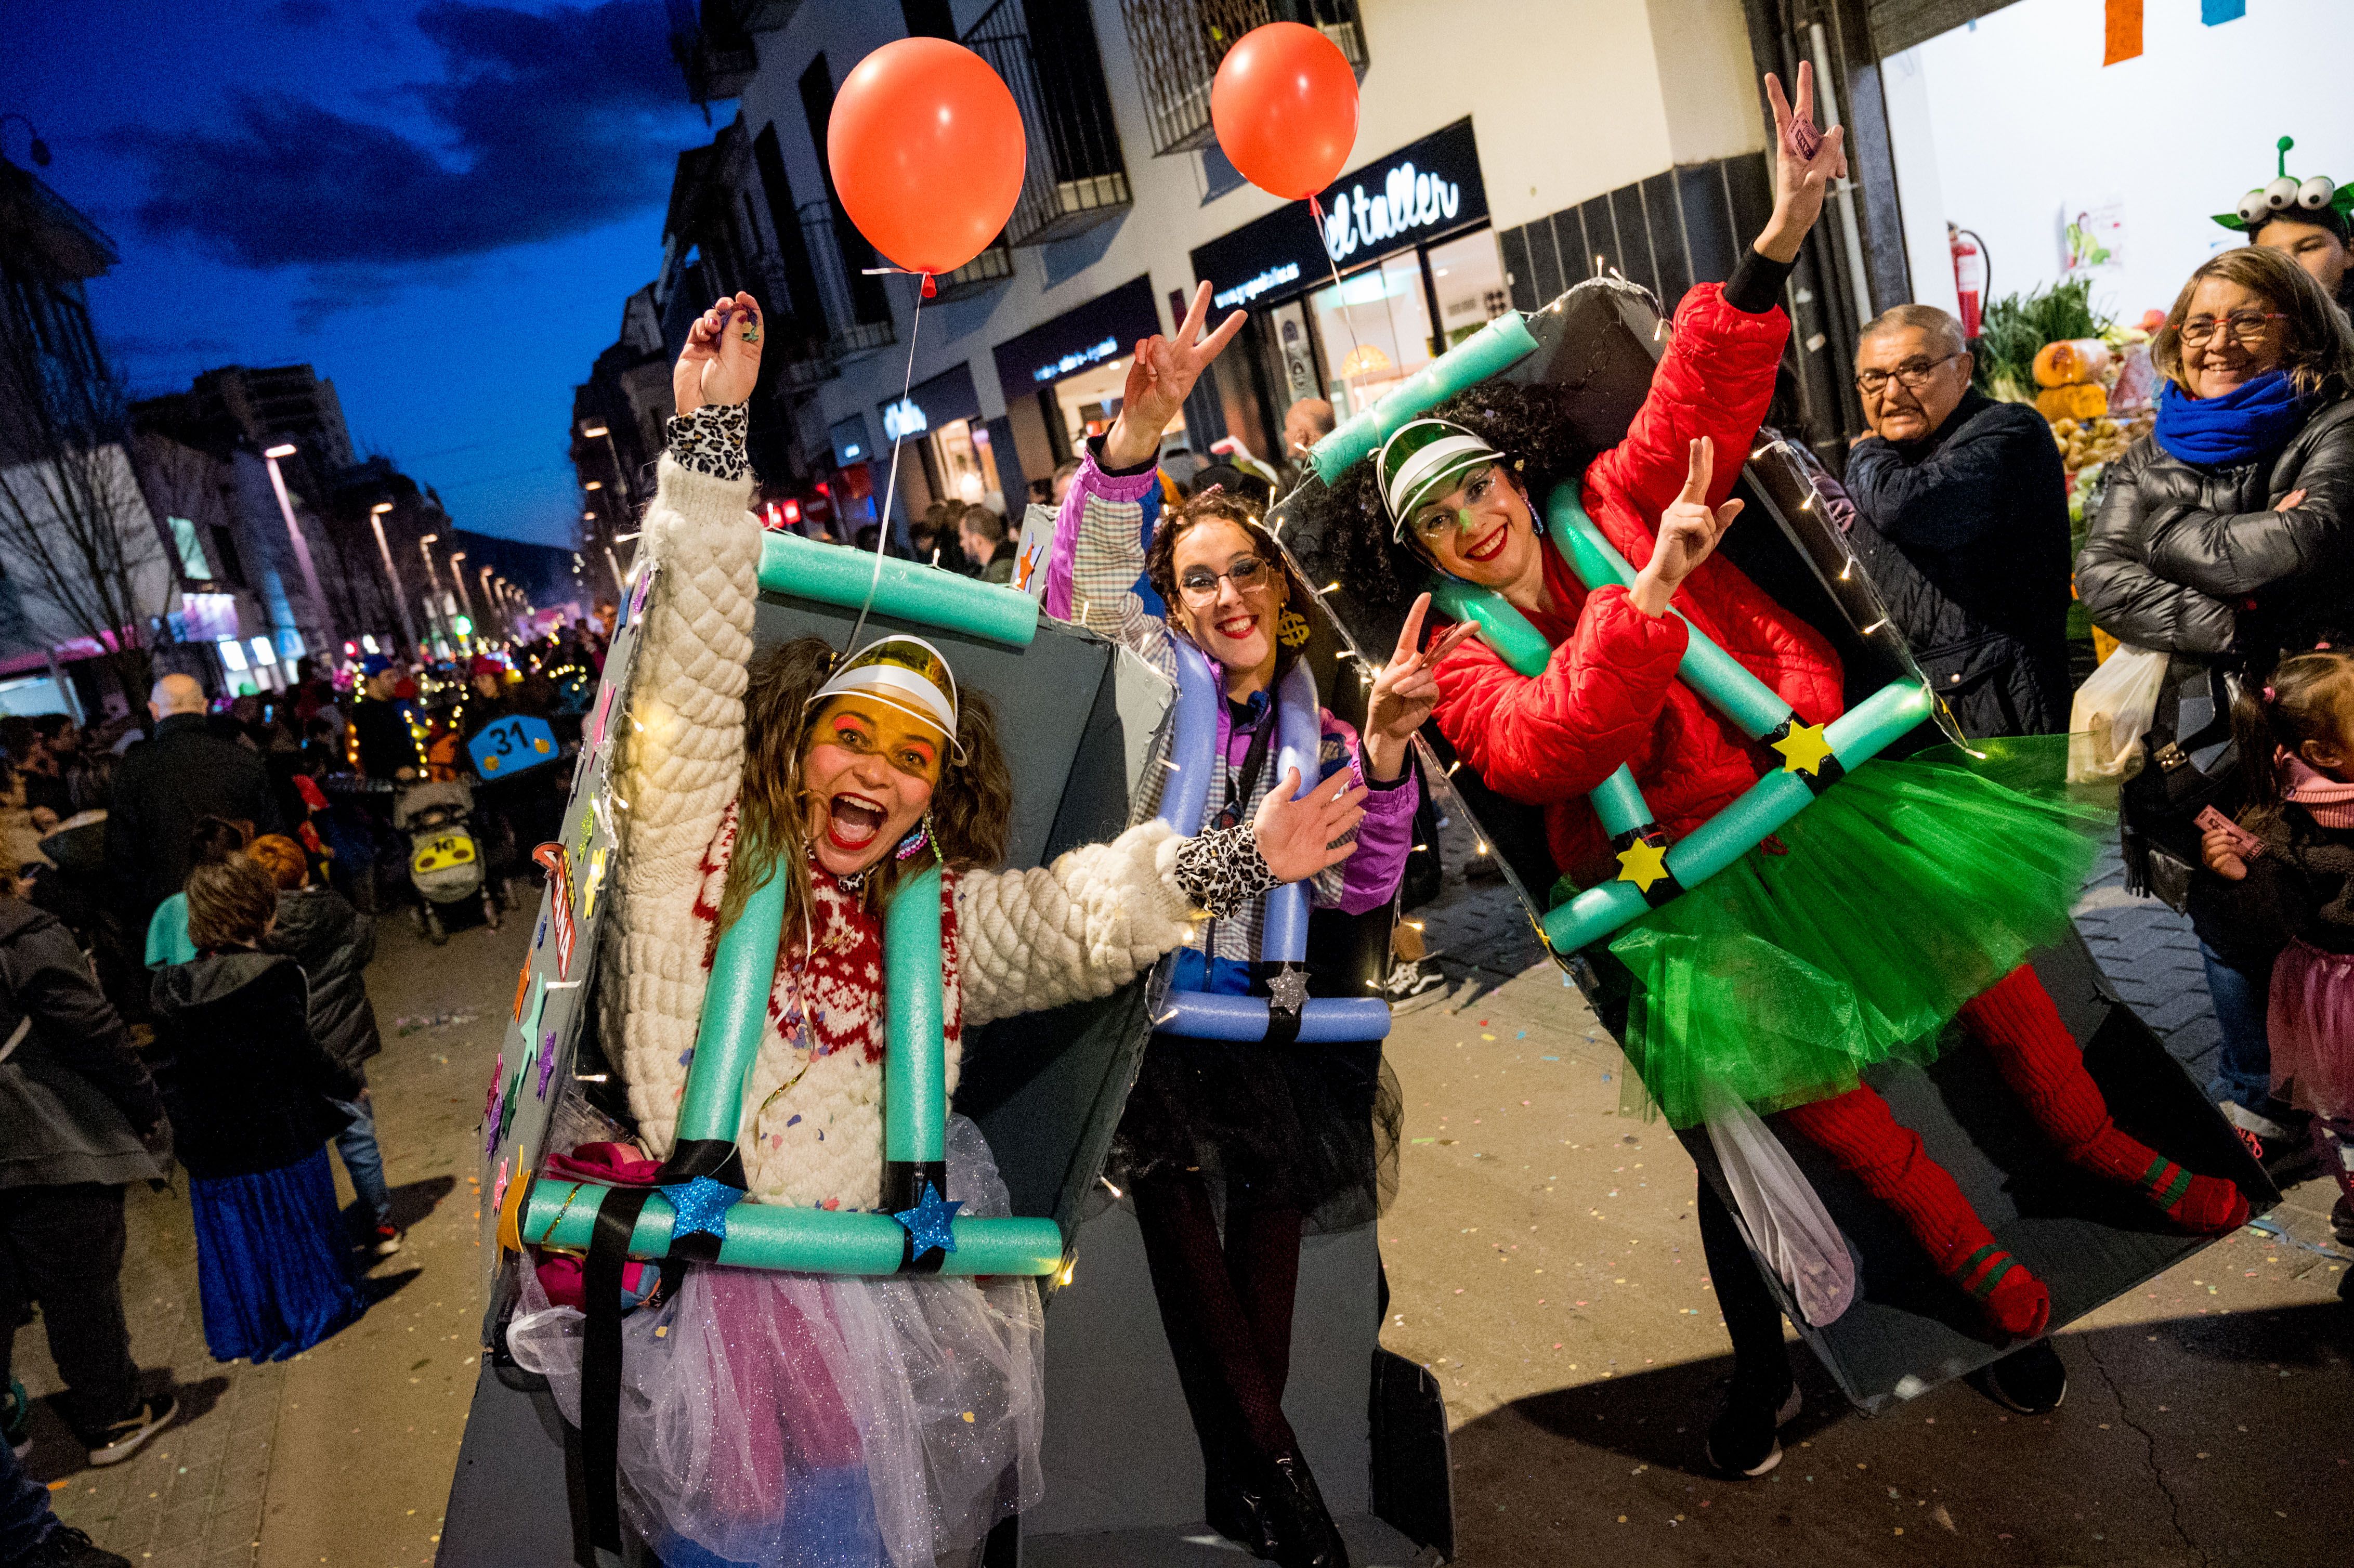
x=458 y=581
x=399 y=600
x=600 y=432
x=293 y=531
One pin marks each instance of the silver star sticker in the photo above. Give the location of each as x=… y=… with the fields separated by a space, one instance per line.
x=1288 y=988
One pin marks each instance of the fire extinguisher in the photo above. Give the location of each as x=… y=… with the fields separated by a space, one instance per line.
x=1971 y=272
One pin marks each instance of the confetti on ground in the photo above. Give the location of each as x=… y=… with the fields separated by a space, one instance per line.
x=412 y=1026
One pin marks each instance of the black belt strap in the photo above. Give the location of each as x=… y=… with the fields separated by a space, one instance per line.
x=600 y=1363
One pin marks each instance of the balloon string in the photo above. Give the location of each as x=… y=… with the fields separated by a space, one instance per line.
x=1340 y=302
x=890 y=484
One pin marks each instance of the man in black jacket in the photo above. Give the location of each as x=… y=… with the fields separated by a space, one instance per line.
x=1962 y=511
x=161 y=789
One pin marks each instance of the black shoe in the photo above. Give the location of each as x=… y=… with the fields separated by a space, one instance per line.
x=127 y=1436
x=2031 y=1380
x=1745 y=1439
x=1236 y=1510
x=1303 y=1533
x=2341 y=1221
x=69 y=1547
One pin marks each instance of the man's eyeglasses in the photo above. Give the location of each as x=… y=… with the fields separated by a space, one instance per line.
x=2248 y=326
x=1914 y=373
x=1200 y=584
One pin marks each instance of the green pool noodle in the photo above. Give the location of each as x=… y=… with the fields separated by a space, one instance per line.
x=1495 y=347
x=562 y=1213
x=1618 y=803
x=734 y=1015
x=1855 y=737
x=1502 y=627
x=914 y=1084
x=1755 y=708
x=907 y=590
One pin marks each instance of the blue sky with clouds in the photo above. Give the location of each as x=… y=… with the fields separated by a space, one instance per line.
x=440 y=206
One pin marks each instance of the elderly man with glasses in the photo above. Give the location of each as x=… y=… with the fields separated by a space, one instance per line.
x=1962 y=520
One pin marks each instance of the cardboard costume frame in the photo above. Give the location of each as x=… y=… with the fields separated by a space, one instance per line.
x=1908 y=1329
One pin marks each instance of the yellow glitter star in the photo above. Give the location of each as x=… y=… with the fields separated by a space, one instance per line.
x=1804 y=748
x=1642 y=862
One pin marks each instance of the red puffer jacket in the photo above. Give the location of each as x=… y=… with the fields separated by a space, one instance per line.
x=1609 y=694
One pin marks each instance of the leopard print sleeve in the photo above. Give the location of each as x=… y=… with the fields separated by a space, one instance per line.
x=1221 y=870
x=711 y=441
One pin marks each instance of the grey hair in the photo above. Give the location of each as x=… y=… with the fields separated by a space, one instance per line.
x=1944 y=330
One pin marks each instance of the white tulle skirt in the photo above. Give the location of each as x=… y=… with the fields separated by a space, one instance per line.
x=812 y=1421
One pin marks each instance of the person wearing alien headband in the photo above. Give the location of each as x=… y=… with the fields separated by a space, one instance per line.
x=1908 y=895
x=2306 y=219
x=795 y=1418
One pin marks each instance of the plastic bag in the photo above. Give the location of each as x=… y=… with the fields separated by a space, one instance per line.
x=1784 y=1222
x=2114 y=709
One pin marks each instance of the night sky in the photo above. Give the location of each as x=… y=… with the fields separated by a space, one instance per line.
x=439 y=206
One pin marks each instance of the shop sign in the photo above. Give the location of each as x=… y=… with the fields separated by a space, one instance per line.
x=1422 y=191
x=943 y=400
x=905 y=417
x=1091 y=333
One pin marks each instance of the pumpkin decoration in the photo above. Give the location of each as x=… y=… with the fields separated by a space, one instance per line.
x=2072 y=362
x=2080 y=403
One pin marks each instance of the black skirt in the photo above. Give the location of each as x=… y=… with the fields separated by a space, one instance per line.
x=1313 y=1127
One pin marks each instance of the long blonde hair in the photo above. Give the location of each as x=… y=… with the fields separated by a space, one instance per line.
x=970 y=807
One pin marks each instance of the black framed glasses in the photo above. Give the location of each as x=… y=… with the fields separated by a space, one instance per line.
x=1200 y=584
x=1915 y=373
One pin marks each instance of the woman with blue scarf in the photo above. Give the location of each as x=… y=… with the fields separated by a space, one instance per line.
x=2226 y=538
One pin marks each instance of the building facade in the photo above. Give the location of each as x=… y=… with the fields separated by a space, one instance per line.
x=1479 y=183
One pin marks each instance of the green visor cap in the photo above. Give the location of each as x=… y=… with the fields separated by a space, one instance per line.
x=1425 y=459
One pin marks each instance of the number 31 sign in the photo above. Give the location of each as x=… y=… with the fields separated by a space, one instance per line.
x=513 y=745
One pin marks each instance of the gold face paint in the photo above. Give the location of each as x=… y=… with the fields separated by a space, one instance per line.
x=857 y=723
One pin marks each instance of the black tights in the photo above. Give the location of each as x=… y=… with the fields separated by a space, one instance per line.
x=1752 y=1316
x=1227 y=1310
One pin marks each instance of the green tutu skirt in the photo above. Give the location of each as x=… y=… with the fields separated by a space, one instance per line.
x=1908 y=888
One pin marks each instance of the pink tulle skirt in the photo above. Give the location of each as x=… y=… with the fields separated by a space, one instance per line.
x=2310 y=1022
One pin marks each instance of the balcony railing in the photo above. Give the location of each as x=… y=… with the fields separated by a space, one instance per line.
x=984 y=272
x=838 y=293
x=1076 y=178
x=1178 y=45
x=713 y=50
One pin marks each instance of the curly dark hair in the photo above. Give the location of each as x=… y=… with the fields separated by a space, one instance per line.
x=971 y=806
x=1344 y=532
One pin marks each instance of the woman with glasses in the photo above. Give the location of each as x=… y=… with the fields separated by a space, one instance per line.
x=1962 y=521
x=1281 y=1137
x=1908 y=897
x=2224 y=540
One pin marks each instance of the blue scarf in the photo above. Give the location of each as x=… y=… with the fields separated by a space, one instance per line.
x=2250 y=422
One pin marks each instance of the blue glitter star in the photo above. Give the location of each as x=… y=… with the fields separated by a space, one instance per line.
x=927 y=1221
x=701 y=1206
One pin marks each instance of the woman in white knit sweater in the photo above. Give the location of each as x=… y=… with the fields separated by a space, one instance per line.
x=782 y=1417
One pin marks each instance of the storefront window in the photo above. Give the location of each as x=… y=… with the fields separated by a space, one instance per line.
x=1375 y=330
x=1468 y=277
x=968 y=468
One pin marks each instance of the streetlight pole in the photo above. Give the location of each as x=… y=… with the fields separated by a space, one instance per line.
x=629 y=490
x=399 y=597
x=294 y=531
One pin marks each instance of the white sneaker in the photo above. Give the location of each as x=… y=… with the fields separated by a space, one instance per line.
x=126 y=1438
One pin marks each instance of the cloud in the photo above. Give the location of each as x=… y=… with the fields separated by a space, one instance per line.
x=549 y=124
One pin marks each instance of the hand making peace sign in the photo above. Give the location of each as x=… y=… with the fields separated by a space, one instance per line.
x=1688 y=534
x=1159 y=379
x=1404 y=693
x=1805 y=162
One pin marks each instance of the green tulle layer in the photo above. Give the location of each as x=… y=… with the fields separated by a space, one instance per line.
x=1909 y=887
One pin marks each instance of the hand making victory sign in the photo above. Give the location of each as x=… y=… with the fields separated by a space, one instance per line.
x=1405 y=692
x=1689 y=532
x=722 y=358
x=1806 y=162
x=1159 y=379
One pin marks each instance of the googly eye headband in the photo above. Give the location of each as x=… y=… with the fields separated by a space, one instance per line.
x=1422 y=458
x=2317 y=199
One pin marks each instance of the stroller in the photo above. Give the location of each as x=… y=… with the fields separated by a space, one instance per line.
x=445 y=861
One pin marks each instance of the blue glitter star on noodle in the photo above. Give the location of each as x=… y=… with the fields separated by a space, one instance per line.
x=701 y=1206
x=927 y=1221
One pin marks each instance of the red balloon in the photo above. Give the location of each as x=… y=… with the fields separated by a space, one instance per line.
x=1285 y=107
x=925 y=144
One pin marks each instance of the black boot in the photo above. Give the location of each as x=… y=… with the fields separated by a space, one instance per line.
x=1235 y=1509
x=1304 y=1533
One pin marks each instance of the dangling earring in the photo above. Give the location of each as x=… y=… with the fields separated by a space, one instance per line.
x=1291 y=628
x=1536 y=518
x=918 y=837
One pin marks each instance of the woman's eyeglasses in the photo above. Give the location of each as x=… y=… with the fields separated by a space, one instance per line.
x=1200 y=584
x=2248 y=326
x=1914 y=373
